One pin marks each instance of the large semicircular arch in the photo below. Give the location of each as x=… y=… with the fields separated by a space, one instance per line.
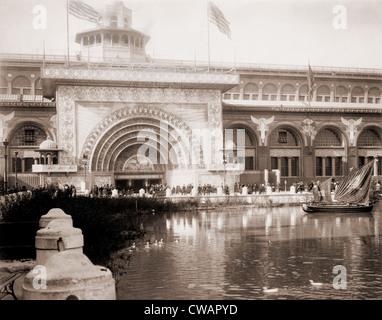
x=106 y=125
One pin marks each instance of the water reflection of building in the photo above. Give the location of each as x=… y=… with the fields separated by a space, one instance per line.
x=94 y=107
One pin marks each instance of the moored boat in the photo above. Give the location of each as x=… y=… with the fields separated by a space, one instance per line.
x=350 y=196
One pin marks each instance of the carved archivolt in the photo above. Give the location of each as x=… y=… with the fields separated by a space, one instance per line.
x=144 y=98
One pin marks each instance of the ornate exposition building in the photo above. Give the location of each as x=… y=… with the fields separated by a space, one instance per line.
x=128 y=120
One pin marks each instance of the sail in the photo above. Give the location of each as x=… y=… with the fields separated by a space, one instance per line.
x=355 y=187
x=326 y=190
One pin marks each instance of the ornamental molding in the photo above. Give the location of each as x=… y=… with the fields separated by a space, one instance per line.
x=137 y=76
x=142 y=103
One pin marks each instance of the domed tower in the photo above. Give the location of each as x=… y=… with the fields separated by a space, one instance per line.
x=113 y=38
x=48 y=152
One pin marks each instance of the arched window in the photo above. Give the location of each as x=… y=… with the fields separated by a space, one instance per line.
x=91 y=40
x=113 y=21
x=303 y=93
x=98 y=38
x=115 y=40
x=21 y=85
x=369 y=138
x=125 y=40
x=357 y=95
x=38 y=87
x=233 y=94
x=28 y=135
x=323 y=94
x=270 y=92
x=288 y=93
x=283 y=138
x=328 y=138
x=3 y=85
x=374 y=95
x=85 y=41
x=251 y=92
x=341 y=94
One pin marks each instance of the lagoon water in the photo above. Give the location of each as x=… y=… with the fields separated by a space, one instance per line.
x=234 y=253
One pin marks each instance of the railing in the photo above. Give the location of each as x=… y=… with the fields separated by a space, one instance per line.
x=187 y=64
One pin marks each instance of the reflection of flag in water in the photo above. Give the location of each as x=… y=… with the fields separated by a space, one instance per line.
x=218 y=19
x=83 y=11
x=310 y=82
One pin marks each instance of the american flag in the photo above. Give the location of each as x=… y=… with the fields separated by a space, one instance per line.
x=310 y=81
x=83 y=11
x=217 y=18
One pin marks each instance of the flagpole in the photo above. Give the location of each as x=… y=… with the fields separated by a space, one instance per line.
x=208 y=28
x=67 y=30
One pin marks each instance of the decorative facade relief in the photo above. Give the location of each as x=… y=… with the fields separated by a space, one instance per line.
x=308 y=126
x=262 y=125
x=4 y=120
x=351 y=129
x=329 y=152
x=143 y=100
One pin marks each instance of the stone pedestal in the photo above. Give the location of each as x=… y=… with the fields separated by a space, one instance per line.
x=69 y=275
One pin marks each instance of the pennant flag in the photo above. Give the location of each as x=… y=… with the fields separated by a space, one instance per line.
x=218 y=19
x=310 y=81
x=83 y=11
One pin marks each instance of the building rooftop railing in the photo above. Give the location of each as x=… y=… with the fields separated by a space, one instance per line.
x=184 y=65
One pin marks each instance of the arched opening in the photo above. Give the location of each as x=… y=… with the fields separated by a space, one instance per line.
x=233 y=94
x=25 y=140
x=3 y=85
x=285 y=151
x=21 y=85
x=369 y=145
x=251 y=92
x=330 y=153
x=270 y=92
x=357 y=95
x=323 y=94
x=303 y=93
x=374 y=95
x=125 y=40
x=288 y=93
x=115 y=40
x=341 y=94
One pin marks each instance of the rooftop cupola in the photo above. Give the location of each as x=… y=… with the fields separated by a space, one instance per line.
x=113 y=38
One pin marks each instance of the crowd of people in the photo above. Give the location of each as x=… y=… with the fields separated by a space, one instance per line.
x=161 y=190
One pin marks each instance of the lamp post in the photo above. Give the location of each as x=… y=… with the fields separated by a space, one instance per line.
x=85 y=162
x=5 y=143
x=16 y=184
x=224 y=177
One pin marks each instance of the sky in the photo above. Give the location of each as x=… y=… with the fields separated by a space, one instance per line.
x=336 y=33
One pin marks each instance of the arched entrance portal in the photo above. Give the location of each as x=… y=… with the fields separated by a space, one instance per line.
x=135 y=148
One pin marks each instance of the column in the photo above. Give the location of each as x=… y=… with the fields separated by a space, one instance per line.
x=279 y=163
x=260 y=93
x=323 y=166
x=49 y=159
x=333 y=166
x=366 y=95
x=296 y=96
x=35 y=160
x=375 y=168
x=22 y=164
x=289 y=166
